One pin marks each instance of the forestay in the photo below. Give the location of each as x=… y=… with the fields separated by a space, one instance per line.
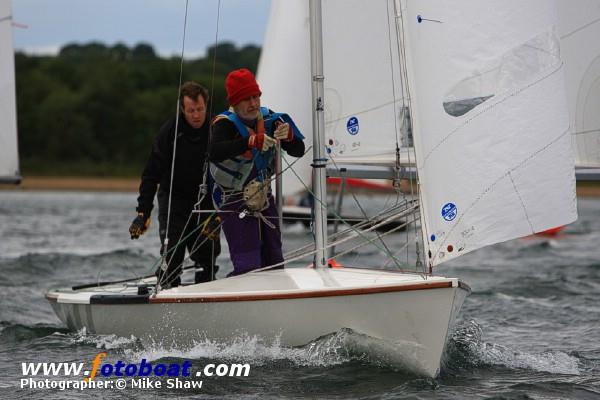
x=491 y=124
x=9 y=158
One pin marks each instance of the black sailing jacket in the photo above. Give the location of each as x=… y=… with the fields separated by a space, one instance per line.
x=189 y=163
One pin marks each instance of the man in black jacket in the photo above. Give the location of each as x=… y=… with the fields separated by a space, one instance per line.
x=184 y=228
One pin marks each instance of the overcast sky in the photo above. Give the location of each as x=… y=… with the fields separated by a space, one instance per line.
x=53 y=23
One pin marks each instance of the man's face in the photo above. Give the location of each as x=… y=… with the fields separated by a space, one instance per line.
x=194 y=111
x=248 y=108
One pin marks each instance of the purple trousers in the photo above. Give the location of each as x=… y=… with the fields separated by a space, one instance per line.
x=252 y=243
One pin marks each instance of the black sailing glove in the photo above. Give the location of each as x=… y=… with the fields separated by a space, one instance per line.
x=139 y=226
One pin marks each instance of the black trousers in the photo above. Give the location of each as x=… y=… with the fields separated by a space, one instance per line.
x=185 y=233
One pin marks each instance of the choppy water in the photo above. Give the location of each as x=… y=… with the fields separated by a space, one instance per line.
x=529 y=330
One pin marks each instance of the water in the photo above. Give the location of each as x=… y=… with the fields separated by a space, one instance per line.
x=529 y=330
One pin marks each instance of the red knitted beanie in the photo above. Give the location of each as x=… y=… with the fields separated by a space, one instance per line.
x=240 y=84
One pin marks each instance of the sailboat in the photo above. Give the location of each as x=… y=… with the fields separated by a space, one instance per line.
x=9 y=156
x=485 y=87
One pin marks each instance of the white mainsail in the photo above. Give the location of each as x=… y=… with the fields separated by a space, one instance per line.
x=9 y=157
x=491 y=125
x=579 y=29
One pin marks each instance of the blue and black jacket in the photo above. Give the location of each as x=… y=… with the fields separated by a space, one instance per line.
x=232 y=163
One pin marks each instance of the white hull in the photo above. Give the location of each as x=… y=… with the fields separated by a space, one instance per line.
x=410 y=315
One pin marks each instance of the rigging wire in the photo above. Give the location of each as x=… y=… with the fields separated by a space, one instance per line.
x=341 y=237
x=405 y=115
x=204 y=186
x=387 y=250
x=352 y=232
x=355 y=230
x=379 y=220
x=166 y=241
x=405 y=111
x=419 y=238
x=334 y=213
x=393 y=81
x=197 y=245
x=182 y=240
x=214 y=64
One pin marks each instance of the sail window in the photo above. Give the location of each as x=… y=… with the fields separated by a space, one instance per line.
x=514 y=69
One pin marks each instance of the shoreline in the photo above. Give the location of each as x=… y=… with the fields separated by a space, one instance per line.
x=75 y=183
x=110 y=184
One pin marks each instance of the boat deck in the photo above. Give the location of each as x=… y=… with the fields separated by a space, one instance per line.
x=265 y=285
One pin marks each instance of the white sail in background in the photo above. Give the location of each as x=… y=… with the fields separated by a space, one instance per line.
x=9 y=157
x=579 y=30
x=365 y=114
x=491 y=125
x=364 y=107
x=284 y=78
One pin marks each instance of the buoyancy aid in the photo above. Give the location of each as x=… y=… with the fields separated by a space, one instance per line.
x=233 y=172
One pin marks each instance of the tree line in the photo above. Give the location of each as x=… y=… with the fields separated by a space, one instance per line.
x=94 y=109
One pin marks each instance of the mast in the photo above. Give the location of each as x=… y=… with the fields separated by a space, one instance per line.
x=318 y=122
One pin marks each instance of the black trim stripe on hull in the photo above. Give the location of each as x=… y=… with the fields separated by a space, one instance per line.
x=119 y=299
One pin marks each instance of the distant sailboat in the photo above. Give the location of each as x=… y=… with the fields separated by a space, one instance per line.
x=485 y=86
x=579 y=30
x=9 y=155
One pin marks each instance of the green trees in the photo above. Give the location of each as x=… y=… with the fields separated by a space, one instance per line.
x=93 y=109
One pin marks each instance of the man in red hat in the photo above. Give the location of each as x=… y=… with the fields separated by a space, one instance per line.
x=242 y=164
